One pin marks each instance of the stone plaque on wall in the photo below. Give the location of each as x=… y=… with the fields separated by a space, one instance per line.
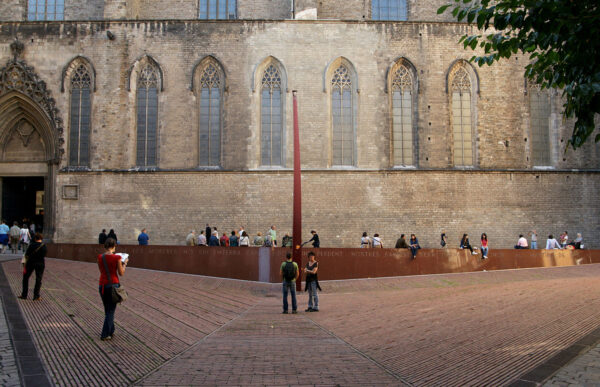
x=71 y=191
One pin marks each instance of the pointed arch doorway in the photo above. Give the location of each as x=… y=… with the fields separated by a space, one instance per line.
x=30 y=138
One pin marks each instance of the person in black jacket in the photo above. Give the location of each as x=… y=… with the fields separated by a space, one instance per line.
x=312 y=283
x=102 y=237
x=111 y=234
x=314 y=240
x=36 y=252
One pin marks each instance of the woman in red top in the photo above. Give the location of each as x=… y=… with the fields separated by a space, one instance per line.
x=116 y=268
x=484 y=245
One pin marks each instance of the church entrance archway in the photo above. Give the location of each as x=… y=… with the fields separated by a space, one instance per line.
x=30 y=146
x=23 y=201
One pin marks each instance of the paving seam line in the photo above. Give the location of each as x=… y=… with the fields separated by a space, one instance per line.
x=6 y=293
x=359 y=352
x=555 y=369
x=193 y=346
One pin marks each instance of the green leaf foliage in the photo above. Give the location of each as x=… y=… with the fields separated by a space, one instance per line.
x=561 y=39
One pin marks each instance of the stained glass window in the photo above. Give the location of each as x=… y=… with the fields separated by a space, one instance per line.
x=147 y=116
x=79 y=132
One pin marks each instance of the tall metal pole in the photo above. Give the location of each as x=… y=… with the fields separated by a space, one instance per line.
x=297 y=227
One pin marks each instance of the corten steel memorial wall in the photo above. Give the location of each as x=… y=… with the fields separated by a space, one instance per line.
x=262 y=264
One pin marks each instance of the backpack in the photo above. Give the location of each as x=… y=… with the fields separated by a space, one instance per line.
x=289 y=271
x=267 y=243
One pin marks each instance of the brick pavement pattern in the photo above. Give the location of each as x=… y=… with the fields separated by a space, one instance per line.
x=9 y=373
x=485 y=328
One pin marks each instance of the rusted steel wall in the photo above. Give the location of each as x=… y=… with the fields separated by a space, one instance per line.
x=228 y=262
x=334 y=264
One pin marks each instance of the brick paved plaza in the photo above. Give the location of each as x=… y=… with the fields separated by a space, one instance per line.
x=485 y=328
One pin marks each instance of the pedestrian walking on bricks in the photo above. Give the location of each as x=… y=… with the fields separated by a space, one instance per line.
x=465 y=244
x=35 y=261
x=312 y=283
x=15 y=234
x=484 y=246
x=25 y=237
x=111 y=268
x=289 y=273
x=314 y=240
x=4 y=230
x=414 y=245
x=534 y=239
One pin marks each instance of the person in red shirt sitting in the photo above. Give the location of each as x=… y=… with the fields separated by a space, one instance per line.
x=115 y=268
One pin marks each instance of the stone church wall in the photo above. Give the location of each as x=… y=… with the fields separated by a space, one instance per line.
x=503 y=195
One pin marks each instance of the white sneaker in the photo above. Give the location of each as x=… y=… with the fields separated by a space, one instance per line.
x=474 y=253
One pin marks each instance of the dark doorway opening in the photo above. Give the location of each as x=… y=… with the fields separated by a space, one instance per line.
x=23 y=200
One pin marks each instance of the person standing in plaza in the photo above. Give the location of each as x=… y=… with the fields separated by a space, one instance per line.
x=233 y=239
x=143 y=238
x=465 y=244
x=224 y=240
x=315 y=240
x=214 y=240
x=207 y=231
x=533 y=239
x=25 y=237
x=102 y=237
x=244 y=239
x=365 y=241
x=202 y=239
x=111 y=268
x=36 y=253
x=414 y=245
x=312 y=283
x=111 y=234
x=443 y=241
x=484 y=246
x=190 y=239
x=273 y=234
x=15 y=234
x=4 y=230
x=289 y=274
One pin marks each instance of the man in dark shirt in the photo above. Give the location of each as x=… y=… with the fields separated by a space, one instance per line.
x=36 y=252
x=401 y=243
x=143 y=238
x=102 y=237
x=314 y=240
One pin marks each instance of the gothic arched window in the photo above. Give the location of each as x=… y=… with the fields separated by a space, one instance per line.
x=271 y=118
x=217 y=9
x=389 y=10
x=462 y=127
x=402 y=110
x=539 y=105
x=80 y=115
x=147 y=116
x=46 y=10
x=342 y=117
x=211 y=86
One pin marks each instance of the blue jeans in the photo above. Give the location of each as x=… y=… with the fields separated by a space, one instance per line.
x=292 y=287
x=313 y=296
x=484 y=251
x=414 y=249
x=109 y=310
x=534 y=244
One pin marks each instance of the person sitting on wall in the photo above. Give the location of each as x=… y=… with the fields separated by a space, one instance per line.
x=521 y=243
x=552 y=243
x=214 y=240
x=401 y=242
